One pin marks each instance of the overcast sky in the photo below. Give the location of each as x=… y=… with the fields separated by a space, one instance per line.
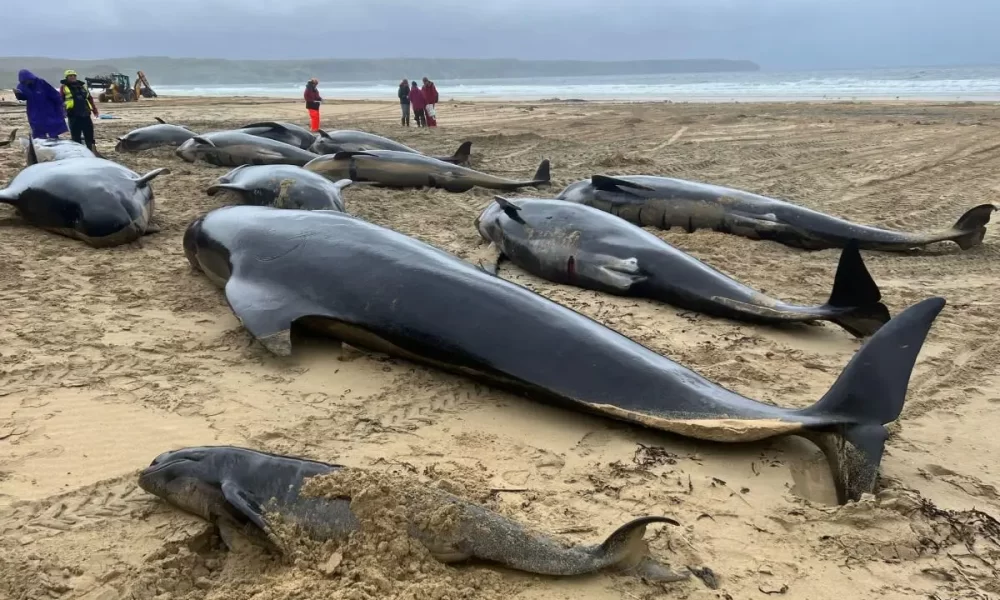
x=777 y=34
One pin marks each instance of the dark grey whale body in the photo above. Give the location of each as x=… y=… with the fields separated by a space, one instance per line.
x=574 y=244
x=389 y=168
x=351 y=140
x=409 y=299
x=282 y=186
x=238 y=489
x=280 y=131
x=236 y=148
x=91 y=199
x=154 y=136
x=665 y=202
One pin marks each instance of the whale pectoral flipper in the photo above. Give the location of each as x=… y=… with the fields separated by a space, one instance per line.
x=244 y=504
x=491 y=261
x=266 y=313
x=613 y=184
x=509 y=208
x=346 y=154
x=607 y=271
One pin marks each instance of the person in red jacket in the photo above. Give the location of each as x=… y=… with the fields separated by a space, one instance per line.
x=431 y=97
x=418 y=103
x=313 y=101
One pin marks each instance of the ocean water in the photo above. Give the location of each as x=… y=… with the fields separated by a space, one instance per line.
x=932 y=83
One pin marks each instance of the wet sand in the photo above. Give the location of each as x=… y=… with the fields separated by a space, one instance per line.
x=109 y=357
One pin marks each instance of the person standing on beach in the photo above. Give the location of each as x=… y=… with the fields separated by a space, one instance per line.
x=46 y=114
x=418 y=103
x=79 y=106
x=431 y=98
x=404 y=102
x=313 y=100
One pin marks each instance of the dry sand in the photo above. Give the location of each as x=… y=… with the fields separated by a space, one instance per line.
x=109 y=357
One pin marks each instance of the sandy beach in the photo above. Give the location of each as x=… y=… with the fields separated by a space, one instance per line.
x=110 y=357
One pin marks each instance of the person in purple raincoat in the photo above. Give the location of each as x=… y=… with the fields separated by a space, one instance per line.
x=46 y=113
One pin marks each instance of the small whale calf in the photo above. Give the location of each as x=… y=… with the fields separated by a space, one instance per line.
x=243 y=491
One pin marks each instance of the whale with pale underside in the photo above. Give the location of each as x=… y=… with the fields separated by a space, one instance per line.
x=570 y=243
x=375 y=288
x=91 y=199
x=664 y=202
x=351 y=140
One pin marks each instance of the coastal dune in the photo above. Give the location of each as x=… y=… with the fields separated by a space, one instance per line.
x=109 y=357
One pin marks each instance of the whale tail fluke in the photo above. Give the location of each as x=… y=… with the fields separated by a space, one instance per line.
x=849 y=420
x=970 y=229
x=854 y=288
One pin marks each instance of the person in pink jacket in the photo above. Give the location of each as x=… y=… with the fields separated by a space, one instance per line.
x=418 y=102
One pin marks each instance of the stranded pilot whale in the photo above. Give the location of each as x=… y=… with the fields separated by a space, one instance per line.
x=665 y=202
x=91 y=199
x=154 y=136
x=235 y=148
x=351 y=140
x=574 y=244
x=389 y=168
x=282 y=186
x=243 y=490
x=290 y=133
x=375 y=288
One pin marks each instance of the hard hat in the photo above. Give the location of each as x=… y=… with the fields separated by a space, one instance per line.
x=69 y=72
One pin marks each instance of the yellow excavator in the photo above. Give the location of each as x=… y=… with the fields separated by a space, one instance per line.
x=117 y=87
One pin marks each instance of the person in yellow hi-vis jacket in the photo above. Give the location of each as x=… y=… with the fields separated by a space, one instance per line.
x=79 y=106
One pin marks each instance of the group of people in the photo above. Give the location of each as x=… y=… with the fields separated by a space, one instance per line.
x=49 y=110
x=422 y=100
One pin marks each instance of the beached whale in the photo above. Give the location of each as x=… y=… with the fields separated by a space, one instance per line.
x=91 y=199
x=351 y=140
x=374 y=288
x=665 y=202
x=389 y=168
x=282 y=186
x=154 y=136
x=230 y=487
x=236 y=148
x=47 y=150
x=290 y=133
x=574 y=244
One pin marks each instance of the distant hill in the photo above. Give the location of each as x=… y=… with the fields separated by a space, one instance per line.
x=194 y=71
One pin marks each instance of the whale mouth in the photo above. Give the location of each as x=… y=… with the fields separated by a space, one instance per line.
x=154 y=469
